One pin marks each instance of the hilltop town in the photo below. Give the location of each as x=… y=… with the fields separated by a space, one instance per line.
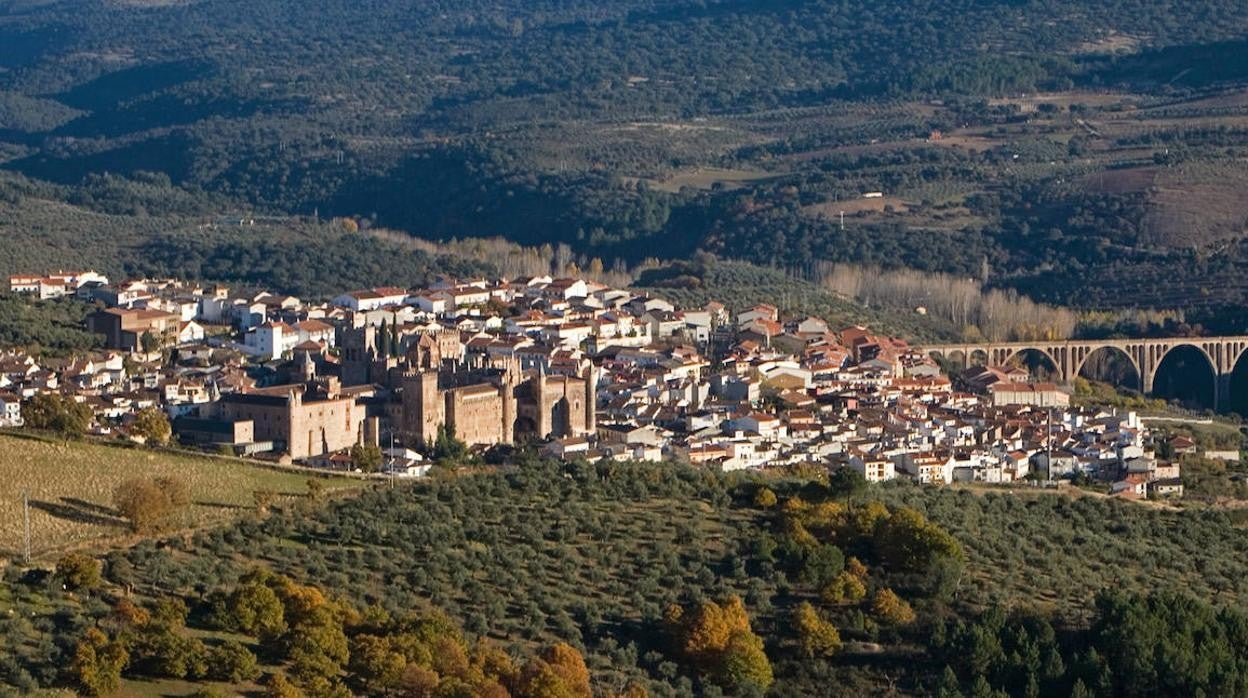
x=571 y=366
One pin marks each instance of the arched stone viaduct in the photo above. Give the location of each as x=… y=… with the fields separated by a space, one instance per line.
x=1146 y=355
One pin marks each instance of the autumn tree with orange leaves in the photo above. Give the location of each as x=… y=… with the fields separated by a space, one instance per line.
x=716 y=640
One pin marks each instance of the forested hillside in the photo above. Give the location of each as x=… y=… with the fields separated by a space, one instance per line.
x=1063 y=148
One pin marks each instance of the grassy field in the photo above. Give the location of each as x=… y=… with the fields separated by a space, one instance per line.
x=708 y=177
x=71 y=488
x=852 y=207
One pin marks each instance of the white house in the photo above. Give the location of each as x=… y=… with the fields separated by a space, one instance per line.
x=644 y=304
x=214 y=309
x=391 y=315
x=812 y=325
x=436 y=302
x=698 y=324
x=566 y=289
x=747 y=453
x=185 y=308
x=663 y=323
x=273 y=340
x=764 y=425
x=873 y=468
x=270 y=340
x=926 y=468
x=371 y=299
x=56 y=284
x=465 y=296
x=785 y=372
x=569 y=446
x=761 y=311
x=10 y=410
x=248 y=314
x=569 y=334
x=404 y=462
x=190 y=332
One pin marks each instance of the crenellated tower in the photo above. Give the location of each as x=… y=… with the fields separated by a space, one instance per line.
x=508 y=384
x=423 y=405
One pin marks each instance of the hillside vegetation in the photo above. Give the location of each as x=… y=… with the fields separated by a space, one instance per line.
x=1078 y=153
x=71 y=488
x=741 y=285
x=849 y=589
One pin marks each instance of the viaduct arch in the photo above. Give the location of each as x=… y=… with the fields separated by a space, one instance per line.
x=1146 y=355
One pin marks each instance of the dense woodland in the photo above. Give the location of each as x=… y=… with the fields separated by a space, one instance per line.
x=55 y=326
x=320 y=266
x=563 y=122
x=630 y=580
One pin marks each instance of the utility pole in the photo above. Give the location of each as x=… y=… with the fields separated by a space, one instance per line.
x=1048 y=446
x=391 y=454
x=26 y=524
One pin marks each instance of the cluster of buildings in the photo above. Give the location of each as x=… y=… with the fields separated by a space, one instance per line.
x=581 y=369
x=57 y=284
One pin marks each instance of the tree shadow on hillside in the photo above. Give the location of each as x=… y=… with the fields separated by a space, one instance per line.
x=72 y=509
x=92 y=507
x=646 y=634
x=220 y=505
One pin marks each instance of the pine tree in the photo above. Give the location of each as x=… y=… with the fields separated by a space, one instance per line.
x=1054 y=667
x=950 y=687
x=1032 y=689
x=982 y=689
